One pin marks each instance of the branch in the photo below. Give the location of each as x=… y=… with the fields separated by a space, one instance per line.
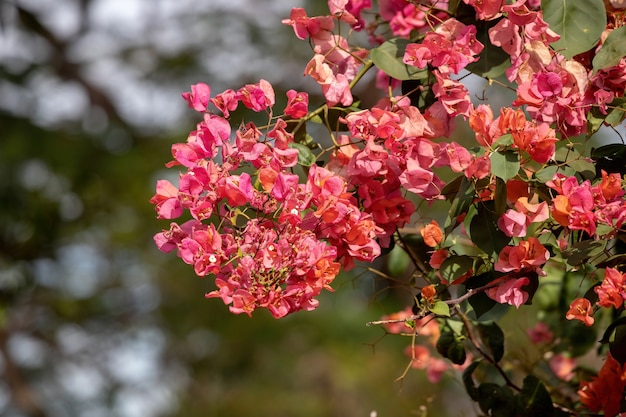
x=22 y=394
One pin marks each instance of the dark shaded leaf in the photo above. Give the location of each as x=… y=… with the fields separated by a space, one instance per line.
x=468 y=380
x=534 y=399
x=483 y=229
x=493 y=339
x=492 y=61
x=579 y=252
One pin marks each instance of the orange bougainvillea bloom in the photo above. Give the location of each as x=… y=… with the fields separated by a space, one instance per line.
x=561 y=209
x=432 y=234
x=581 y=309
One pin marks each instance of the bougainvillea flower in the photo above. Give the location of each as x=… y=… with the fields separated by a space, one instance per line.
x=198 y=98
x=432 y=234
x=581 y=309
x=510 y=292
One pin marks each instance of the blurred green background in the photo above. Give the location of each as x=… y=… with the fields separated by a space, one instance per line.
x=94 y=321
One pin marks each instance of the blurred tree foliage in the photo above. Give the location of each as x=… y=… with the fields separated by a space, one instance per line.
x=94 y=321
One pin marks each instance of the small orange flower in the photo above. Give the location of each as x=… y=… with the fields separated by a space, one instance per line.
x=581 y=309
x=432 y=234
x=561 y=209
x=428 y=293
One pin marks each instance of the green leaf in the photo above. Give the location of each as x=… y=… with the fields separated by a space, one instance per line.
x=305 y=156
x=534 y=399
x=505 y=164
x=612 y=51
x=388 y=58
x=546 y=173
x=483 y=229
x=440 y=309
x=445 y=340
x=398 y=261
x=580 y=24
x=504 y=140
x=617 y=112
x=585 y=168
x=493 y=338
x=456 y=353
x=455 y=266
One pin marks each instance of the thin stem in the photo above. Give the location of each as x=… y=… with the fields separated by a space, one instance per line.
x=472 y=338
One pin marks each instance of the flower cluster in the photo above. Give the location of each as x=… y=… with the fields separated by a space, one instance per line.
x=273 y=214
x=278 y=240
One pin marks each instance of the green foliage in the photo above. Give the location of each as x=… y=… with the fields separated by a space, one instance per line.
x=579 y=23
x=505 y=164
x=481 y=224
x=612 y=51
x=388 y=58
x=305 y=156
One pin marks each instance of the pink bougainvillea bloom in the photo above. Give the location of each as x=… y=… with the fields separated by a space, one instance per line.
x=486 y=9
x=510 y=292
x=349 y=11
x=166 y=200
x=513 y=223
x=581 y=309
x=257 y=97
x=305 y=26
x=563 y=366
x=198 y=98
x=540 y=333
x=422 y=359
x=226 y=101
x=453 y=95
x=534 y=212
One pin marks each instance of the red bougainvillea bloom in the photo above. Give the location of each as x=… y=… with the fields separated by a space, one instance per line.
x=297 y=104
x=437 y=257
x=581 y=309
x=612 y=291
x=606 y=391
